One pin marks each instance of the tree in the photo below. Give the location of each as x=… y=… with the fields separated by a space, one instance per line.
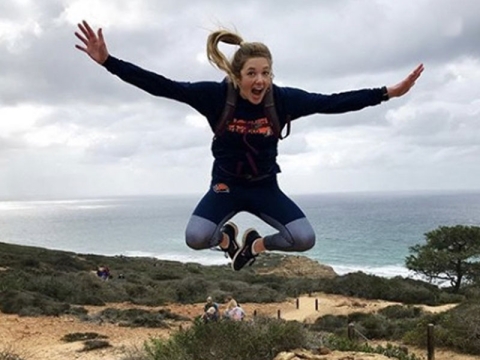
x=451 y=253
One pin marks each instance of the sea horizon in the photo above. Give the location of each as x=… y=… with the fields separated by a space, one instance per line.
x=356 y=231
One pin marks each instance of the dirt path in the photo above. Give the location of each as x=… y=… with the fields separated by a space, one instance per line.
x=40 y=338
x=312 y=307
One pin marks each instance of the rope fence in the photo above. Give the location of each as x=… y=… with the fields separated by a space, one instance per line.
x=353 y=334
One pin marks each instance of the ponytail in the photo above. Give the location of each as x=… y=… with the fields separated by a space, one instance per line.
x=247 y=50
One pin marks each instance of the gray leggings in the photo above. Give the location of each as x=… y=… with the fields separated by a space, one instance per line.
x=263 y=199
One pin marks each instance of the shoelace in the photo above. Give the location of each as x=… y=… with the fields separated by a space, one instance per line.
x=248 y=252
x=218 y=248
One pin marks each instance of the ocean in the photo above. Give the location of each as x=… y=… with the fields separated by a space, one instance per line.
x=369 y=232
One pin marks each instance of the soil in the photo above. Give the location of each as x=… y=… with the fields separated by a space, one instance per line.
x=40 y=338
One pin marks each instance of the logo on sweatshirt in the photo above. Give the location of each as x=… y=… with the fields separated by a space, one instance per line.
x=260 y=127
x=221 y=188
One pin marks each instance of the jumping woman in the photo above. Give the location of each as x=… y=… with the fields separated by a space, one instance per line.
x=248 y=114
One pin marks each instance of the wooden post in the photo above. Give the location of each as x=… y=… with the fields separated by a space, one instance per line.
x=431 y=342
x=316 y=304
x=278 y=314
x=351 y=332
x=298 y=303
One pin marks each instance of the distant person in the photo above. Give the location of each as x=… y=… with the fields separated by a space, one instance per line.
x=237 y=313
x=231 y=303
x=103 y=272
x=245 y=142
x=208 y=313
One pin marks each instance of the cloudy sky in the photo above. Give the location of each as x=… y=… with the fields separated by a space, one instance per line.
x=70 y=129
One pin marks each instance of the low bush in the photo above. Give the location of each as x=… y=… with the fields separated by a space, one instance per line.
x=8 y=355
x=387 y=324
x=230 y=340
x=343 y=344
x=332 y=324
x=456 y=329
x=401 y=312
x=73 y=337
x=90 y=345
x=136 y=317
x=399 y=289
x=30 y=304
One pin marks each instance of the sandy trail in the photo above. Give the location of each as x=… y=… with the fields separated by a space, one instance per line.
x=40 y=338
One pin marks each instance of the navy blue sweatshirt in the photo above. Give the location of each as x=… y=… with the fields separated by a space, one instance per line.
x=248 y=148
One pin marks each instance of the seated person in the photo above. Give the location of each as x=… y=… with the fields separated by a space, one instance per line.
x=213 y=315
x=236 y=314
x=210 y=315
x=231 y=304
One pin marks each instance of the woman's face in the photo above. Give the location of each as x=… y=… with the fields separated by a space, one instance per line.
x=255 y=79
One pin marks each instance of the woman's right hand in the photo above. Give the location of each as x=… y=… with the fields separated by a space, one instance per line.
x=95 y=46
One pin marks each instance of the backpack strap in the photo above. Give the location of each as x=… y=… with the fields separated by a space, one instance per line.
x=272 y=116
x=270 y=112
x=228 y=110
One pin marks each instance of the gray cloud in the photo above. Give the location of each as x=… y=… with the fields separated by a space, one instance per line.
x=69 y=128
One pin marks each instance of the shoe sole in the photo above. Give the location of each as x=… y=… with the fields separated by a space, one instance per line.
x=235 y=231
x=244 y=238
x=235 y=227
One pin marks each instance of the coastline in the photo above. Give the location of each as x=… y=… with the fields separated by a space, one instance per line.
x=368 y=232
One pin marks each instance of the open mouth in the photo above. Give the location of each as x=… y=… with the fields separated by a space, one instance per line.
x=257 y=92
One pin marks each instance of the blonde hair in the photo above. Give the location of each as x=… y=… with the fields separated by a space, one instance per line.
x=246 y=51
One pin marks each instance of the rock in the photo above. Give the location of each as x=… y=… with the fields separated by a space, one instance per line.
x=292 y=266
x=301 y=354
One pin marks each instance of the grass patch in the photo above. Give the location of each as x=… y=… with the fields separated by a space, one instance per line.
x=90 y=345
x=230 y=340
x=74 y=337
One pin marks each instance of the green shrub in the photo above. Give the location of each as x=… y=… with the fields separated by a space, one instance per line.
x=457 y=329
x=343 y=344
x=30 y=262
x=192 y=289
x=230 y=340
x=399 y=289
x=401 y=312
x=136 y=317
x=90 y=345
x=30 y=304
x=8 y=355
x=331 y=324
x=73 y=337
x=367 y=326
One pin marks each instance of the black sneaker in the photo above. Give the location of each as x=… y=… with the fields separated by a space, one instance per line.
x=244 y=255
x=231 y=230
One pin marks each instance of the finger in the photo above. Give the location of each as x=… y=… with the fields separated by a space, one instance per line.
x=419 y=69
x=88 y=28
x=100 y=35
x=81 y=38
x=413 y=76
x=416 y=73
x=81 y=48
x=83 y=30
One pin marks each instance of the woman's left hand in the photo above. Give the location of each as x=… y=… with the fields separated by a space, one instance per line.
x=405 y=85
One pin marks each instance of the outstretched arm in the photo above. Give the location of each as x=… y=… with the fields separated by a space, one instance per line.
x=94 y=43
x=405 y=85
